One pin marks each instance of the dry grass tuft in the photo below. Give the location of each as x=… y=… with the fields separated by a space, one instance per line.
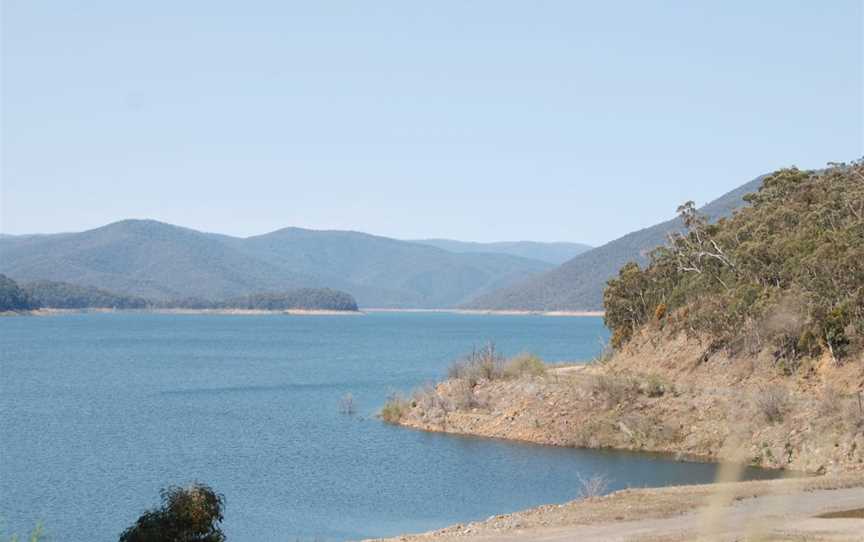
x=774 y=403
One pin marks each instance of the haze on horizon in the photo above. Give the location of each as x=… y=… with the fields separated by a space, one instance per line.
x=481 y=121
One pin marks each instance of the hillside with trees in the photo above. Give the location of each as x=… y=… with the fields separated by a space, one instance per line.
x=323 y=299
x=161 y=262
x=12 y=297
x=741 y=341
x=302 y=299
x=46 y=294
x=553 y=253
x=62 y=295
x=785 y=273
x=578 y=284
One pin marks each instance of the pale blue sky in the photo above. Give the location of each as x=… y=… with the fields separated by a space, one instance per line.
x=485 y=121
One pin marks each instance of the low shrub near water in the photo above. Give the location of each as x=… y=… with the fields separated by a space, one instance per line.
x=594 y=486
x=522 y=365
x=395 y=408
x=487 y=363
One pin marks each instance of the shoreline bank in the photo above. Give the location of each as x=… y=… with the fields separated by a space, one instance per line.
x=215 y=312
x=812 y=509
x=659 y=396
x=491 y=312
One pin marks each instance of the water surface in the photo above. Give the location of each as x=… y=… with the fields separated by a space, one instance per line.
x=99 y=411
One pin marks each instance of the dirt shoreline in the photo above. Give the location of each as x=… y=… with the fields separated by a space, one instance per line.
x=664 y=396
x=491 y=312
x=771 y=510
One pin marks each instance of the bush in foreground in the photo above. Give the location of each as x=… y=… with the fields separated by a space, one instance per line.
x=187 y=514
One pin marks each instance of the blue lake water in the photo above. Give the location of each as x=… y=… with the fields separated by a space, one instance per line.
x=99 y=411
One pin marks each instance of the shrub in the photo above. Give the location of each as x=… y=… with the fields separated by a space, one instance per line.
x=395 y=408
x=187 y=514
x=655 y=386
x=830 y=402
x=606 y=352
x=774 y=404
x=594 y=486
x=524 y=364
x=483 y=364
x=462 y=395
x=855 y=414
x=429 y=402
x=613 y=390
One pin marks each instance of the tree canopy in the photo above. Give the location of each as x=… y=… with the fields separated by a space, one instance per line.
x=187 y=514
x=786 y=272
x=12 y=297
x=62 y=295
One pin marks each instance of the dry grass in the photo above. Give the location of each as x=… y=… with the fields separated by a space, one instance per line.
x=524 y=365
x=773 y=403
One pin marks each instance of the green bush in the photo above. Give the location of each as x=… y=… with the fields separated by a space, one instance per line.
x=394 y=409
x=187 y=514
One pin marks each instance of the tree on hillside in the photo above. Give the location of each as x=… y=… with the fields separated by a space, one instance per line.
x=785 y=273
x=12 y=297
x=187 y=514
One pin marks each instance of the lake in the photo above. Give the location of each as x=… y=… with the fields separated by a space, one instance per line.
x=100 y=411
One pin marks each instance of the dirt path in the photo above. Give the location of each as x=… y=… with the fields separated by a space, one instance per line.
x=764 y=511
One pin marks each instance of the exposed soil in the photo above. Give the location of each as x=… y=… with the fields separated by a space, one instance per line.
x=811 y=509
x=668 y=400
x=673 y=395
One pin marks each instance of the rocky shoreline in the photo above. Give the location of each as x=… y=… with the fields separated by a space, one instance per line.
x=665 y=397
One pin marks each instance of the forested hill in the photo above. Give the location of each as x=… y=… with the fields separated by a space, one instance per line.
x=553 y=253
x=785 y=273
x=578 y=284
x=322 y=299
x=158 y=261
x=12 y=297
x=45 y=294
x=62 y=295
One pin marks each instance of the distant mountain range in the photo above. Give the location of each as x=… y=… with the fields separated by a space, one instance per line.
x=163 y=262
x=159 y=261
x=578 y=284
x=554 y=253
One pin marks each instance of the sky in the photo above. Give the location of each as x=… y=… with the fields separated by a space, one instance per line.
x=474 y=120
